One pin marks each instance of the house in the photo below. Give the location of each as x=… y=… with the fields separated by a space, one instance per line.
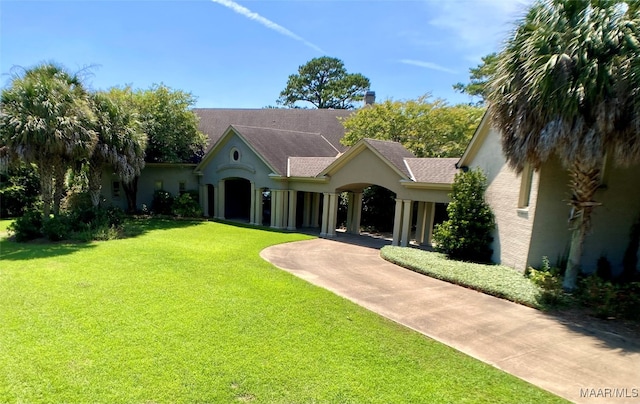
x=532 y=210
x=286 y=168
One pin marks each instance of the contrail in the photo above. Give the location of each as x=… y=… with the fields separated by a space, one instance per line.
x=267 y=23
x=427 y=65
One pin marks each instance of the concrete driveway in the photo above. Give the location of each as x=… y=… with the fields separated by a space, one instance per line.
x=576 y=362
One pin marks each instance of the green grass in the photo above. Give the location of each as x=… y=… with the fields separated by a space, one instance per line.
x=188 y=312
x=496 y=280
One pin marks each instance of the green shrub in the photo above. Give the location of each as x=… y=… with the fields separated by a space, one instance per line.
x=549 y=280
x=609 y=299
x=466 y=235
x=56 y=228
x=84 y=224
x=162 y=203
x=27 y=227
x=186 y=205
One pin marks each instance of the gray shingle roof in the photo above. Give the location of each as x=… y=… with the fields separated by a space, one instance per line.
x=392 y=151
x=432 y=170
x=214 y=121
x=308 y=166
x=277 y=145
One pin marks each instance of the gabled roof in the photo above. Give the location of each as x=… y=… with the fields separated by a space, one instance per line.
x=276 y=145
x=476 y=141
x=308 y=166
x=215 y=121
x=432 y=170
x=394 y=152
x=391 y=153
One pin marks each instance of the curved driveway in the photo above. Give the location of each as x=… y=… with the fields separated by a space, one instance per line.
x=561 y=357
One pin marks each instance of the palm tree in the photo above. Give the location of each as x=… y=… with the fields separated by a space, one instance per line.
x=567 y=84
x=120 y=145
x=45 y=119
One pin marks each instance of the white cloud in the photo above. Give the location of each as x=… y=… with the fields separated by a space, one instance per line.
x=427 y=65
x=267 y=23
x=477 y=27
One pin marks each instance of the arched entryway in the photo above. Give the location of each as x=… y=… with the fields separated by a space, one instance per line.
x=366 y=207
x=237 y=199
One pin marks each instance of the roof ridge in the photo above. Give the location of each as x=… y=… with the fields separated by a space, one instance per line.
x=277 y=129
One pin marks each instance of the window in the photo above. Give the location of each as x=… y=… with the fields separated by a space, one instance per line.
x=115 y=189
x=525 y=187
x=182 y=187
x=235 y=154
x=158 y=186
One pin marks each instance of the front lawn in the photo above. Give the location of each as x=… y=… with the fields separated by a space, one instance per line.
x=189 y=312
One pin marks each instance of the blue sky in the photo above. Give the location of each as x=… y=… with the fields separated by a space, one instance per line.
x=238 y=54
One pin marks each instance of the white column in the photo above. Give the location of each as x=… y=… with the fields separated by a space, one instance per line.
x=252 y=209
x=397 y=223
x=306 y=210
x=272 y=219
x=315 y=209
x=293 y=199
x=357 y=212
x=350 y=212
x=257 y=200
x=325 y=214
x=215 y=202
x=220 y=209
x=333 y=214
x=284 y=213
x=420 y=223
x=430 y=215
x=275 y=208
x=204 y=200
x=406 y=222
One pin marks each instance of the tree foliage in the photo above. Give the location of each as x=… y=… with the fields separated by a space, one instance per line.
x=429 y=128
x=479 y=77
x=325 y=83
x=121 y=143
x=19 y=190
x=46 y=119
x=170 y=125
x=567 y=84
x=466 y=235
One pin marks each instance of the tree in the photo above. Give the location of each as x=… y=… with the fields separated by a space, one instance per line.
x=45 y=119
x=567 y=84
x=325 y=83
x=466 y=235
x=479 y=76
x=120 y=145
x=171 y=127
x=429 y=128
x=19 y=190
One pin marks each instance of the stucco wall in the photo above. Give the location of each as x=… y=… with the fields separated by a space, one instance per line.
x=249 y=166
x=551 y=234
x=611 y=222
x=170 y=176
x=512 y=235
x=367 y=168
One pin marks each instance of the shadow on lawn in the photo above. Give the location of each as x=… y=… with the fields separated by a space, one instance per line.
x=11 y=250
x=42 y=248
x=139 y=226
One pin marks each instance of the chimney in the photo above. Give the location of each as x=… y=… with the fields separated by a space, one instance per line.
x=369 y=97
